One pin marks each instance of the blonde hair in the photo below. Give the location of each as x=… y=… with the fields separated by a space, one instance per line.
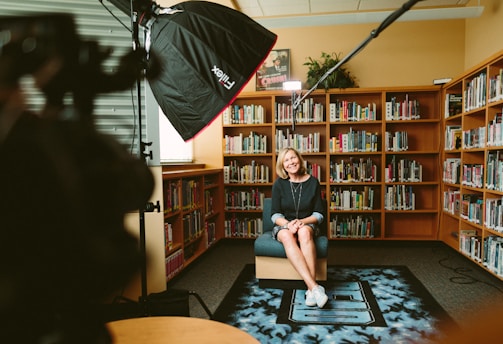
x=280 y=170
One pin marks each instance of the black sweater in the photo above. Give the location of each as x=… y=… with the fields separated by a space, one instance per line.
x=283 y=200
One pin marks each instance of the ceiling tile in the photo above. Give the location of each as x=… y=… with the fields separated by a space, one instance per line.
x=284 y=7
x=265 y=8
x=328 y=6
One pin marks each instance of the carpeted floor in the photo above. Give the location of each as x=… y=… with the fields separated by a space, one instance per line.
x=463 y=289
x=367 y=304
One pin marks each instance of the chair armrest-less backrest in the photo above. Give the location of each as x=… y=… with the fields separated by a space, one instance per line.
x=266 y=216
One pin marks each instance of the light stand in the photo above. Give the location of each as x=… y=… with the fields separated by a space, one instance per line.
x=297 y=100
x=143 y=299
x=172 y=302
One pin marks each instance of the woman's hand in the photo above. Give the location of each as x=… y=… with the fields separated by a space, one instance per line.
x=295 y=225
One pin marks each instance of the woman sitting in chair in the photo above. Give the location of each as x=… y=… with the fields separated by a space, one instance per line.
x=297 y=211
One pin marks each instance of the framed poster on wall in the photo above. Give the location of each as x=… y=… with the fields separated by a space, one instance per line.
x=274 y=71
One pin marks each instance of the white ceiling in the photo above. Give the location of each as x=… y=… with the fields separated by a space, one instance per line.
x=303 y=13
x=268 y=8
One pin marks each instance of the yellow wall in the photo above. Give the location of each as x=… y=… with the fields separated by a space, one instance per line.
x=483 y=35
x=404 y=54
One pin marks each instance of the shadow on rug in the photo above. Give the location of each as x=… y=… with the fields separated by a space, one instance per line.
x=367 y=304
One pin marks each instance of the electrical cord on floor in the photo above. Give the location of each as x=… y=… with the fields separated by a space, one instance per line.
x=465 y=277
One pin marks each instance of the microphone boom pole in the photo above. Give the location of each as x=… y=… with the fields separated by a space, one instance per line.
x=373 y=34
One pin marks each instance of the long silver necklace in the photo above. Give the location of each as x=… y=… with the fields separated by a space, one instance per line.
x=294 y=191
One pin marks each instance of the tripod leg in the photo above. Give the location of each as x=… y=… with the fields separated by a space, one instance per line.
x=203 y=304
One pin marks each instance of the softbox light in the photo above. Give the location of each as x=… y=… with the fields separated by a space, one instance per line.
x=208 y=52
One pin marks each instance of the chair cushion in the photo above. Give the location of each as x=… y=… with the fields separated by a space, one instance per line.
x=265 y=245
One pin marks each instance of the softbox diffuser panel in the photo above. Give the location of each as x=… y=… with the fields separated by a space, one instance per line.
x=208 y=52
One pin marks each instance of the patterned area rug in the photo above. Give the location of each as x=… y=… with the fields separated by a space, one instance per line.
x=367 y=304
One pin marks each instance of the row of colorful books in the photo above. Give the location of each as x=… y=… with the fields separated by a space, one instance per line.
x=406 y=109
x=352 y=199
x=452 y=201
x=396 y=141
x=354 y=141
x=495 y=131
x=472 y=175
x=174 y=263
x=353 y=227
x=403 y=170
x=453 y=137
x=451 y=171
x=304 y=143
x=351 y=111
x=474 y=138
x=487 y=250
x=308 y=112
x=493 y=218
x=399 y=197
x=246 y=114
x=496 y=87
x=475 y=92
x=191 y=194
x=249 y=173
x=192 y=225
x=253 y=143
x=472 y=208
x=252 y=199
x=494 y=171
x=243 y=227
x=353 y=170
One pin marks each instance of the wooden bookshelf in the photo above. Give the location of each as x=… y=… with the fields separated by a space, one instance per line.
x=193 y=214
x=329 y=137
x=472 y=190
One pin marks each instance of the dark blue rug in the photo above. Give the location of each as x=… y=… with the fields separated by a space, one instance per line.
x=367 y=304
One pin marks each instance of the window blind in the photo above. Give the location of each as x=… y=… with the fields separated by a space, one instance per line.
x=115 y=113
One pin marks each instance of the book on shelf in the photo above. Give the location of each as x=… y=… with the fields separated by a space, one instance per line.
x=350 y=111
x=252 y=199
x=494 y=214
x=168 y=236
x=474 y=138
x=466 y=240
x=396 y=141
x=453 y=137
x=250 y=173
x=495 y=131
x=452 y=200
x=353 y=170
x=496 y=87
x=174 y=263
x=453 y=104
x=473 y=175
x=360 y=226
x=452 y=170
x=494 y=173
x=406 y=109
x=246 y=114
x=475 y=93
x=243 y=228
x=304 y=143
x=493 y=254
x=471 y=208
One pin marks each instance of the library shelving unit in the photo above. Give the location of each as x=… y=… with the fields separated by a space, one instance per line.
x=375 y=151
x=472 y=177
x=193 y=214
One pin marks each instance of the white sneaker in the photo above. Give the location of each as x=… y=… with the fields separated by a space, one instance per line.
x=319 y=295
x=310 y=300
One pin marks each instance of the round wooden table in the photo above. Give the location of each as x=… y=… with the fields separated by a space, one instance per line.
x=169 y=329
